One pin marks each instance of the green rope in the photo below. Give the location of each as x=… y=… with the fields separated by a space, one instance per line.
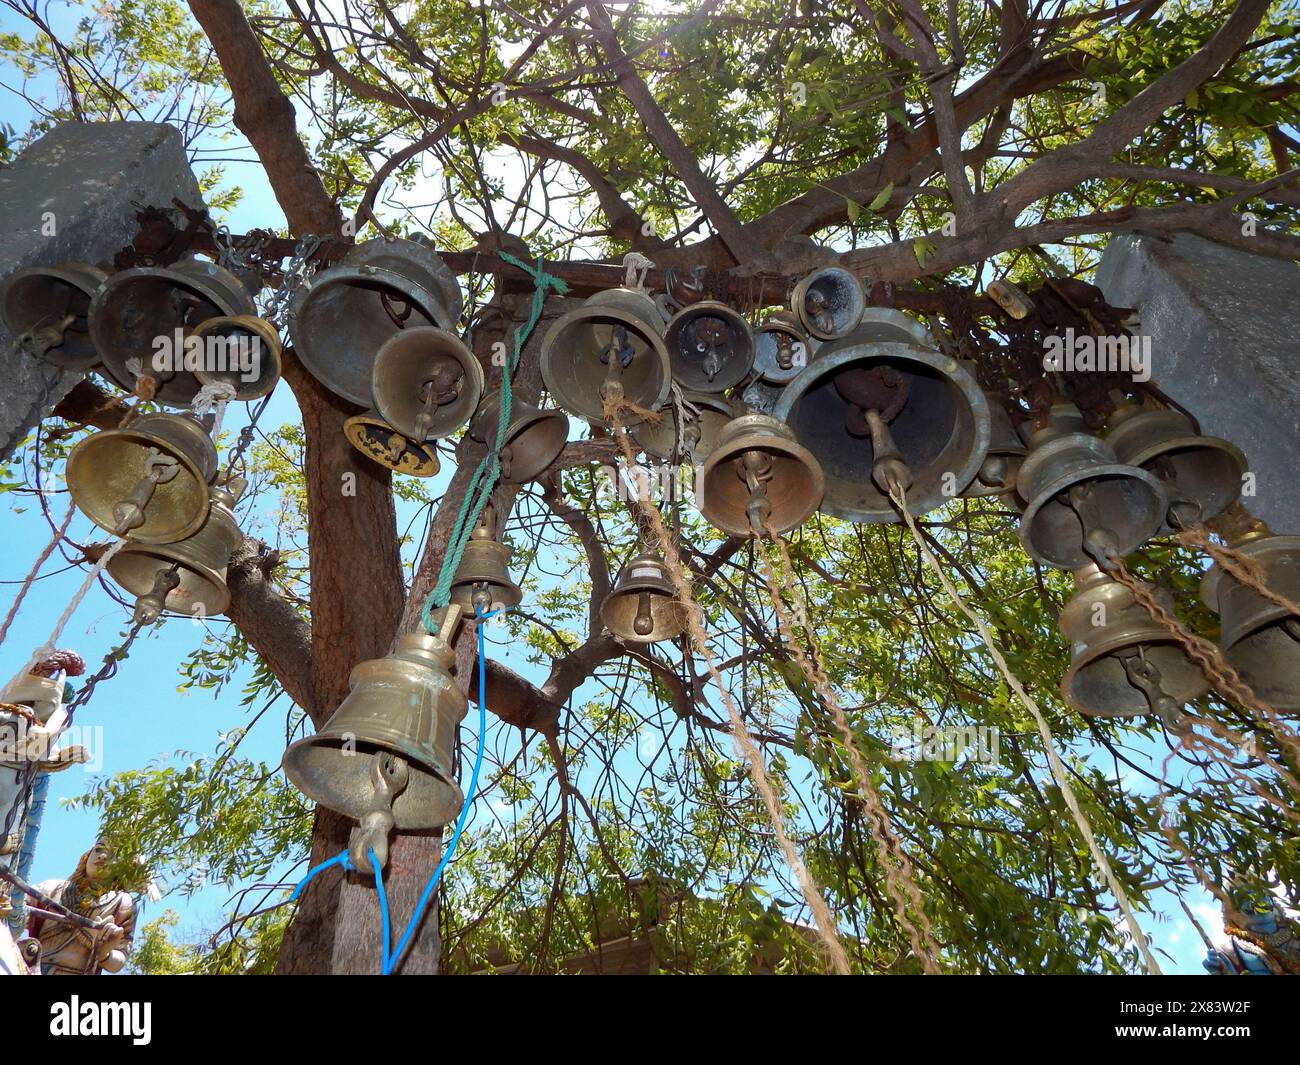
x=485 y=476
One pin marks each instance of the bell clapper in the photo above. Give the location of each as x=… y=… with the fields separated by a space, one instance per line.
x=1144 y=676
x=755 y=469
x=889 y=471
x=41 y=337
x=150 y=605
x=1099 y=542
x=128 y=513
x=612 y=387
x=784 y=350
x=618 y=345
x=643 y=624
x=389 y=776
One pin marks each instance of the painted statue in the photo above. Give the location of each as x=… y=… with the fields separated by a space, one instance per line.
x=1263 y=939
x=70 y=950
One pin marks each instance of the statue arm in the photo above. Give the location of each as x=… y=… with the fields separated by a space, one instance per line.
x=124 y=918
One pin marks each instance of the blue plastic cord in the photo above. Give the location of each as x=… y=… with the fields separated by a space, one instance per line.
x=385 y=929
x=339 y=859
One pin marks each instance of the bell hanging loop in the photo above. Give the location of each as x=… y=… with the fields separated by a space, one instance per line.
x=710 y=347
x=47 y=308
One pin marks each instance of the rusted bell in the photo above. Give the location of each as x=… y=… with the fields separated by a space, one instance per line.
x=243 y=352
x=342 y=316
x=1258 y=637
x=389 y=744
x=426 y=383
x=192 y=571
x=997 y=473
x=829 y=302
x=379 y=441
x=781 y=349
x=616 y=335
x=931 y=422
x=140 y=319
x=710 y=347
x=643 y=607
x=482 y=579
x=1123 y=662
x=148 y=481
x=534 y=438
x=1201 y=474
x=1081 y=504
x=47 y=309
x=699 y=432
x=758 y=476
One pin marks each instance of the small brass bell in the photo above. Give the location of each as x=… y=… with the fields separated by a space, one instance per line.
x=426 y=383
x=140 y=320
x=699 y=431
x=381 y=443
x=1259 y=638
x=342 y=316
x=388 y=747
x=1201 y=474
x=1123 y=663
x=534 y=438
x=829 y=302
x=643 y=607
x=243 y=352
x=148 y=481
x=616 y=335
x=47 y=309
x=781 y=349
x=482 y=580
x=929 y=422
x=192 y=571
x=710 y=347
x=758 y=476
x=1081 y=504
x=997 y=473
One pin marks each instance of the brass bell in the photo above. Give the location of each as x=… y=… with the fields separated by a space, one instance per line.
x=47 y=309
x=534 y=438
x=400 y=718
x=189 y=576
x=829 y=302
x=781 y=349
x=710 y=347
x=426 y=383
x=616 y=335
x=997 y=473
x=1259 y=638
x=381 y=443
x=482 y=579
x=1201 y=474
x=699 y=432
x=643 y=607
x=243 y=352
x=1123 y=662
x=758 y=476
x=140 y=320
x=1081 y=504
x=340 y=317
x=866 y=407
x=148 y=481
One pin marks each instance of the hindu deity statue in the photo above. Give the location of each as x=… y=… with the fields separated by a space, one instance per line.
x=1263 y=939
x=70 y=950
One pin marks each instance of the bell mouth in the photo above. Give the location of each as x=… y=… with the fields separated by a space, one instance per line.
x=1052 y=532
x=723 y=495
x=941 y=427
x=1098 y=686
x=768 y=342
x=373 y=437
x=1268 y=660
x=40 y=296
x=657 y=439
x=250 y=342
x=829 y=302
x=426 y=358
x=574 y=373
x=1208 y=477
x=136 y=567
x=690 y=335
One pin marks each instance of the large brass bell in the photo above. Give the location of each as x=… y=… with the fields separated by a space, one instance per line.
x=758 y=478
x=482 y=581
x=698 y=432
x=872 y=410
x=643 y=607
x=710 y=347
x=1006 y=451
x=1081 y=504
x=189 y=576
x=829 y=302
x=1201 y=474
x=381 y=443
x=1258 y=637
x=615 y=336
x=140 y=319
x=243 y=352
x=47 y=309
x=388 y=747
x=342 y=316
x=781 y=349
x=1122 y=661
x=148 y=481
x=426 y=383
x=534 y=438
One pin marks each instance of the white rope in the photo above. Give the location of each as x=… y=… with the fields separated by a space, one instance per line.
x=635 y=266
x=214 y=397
x=48 y=647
